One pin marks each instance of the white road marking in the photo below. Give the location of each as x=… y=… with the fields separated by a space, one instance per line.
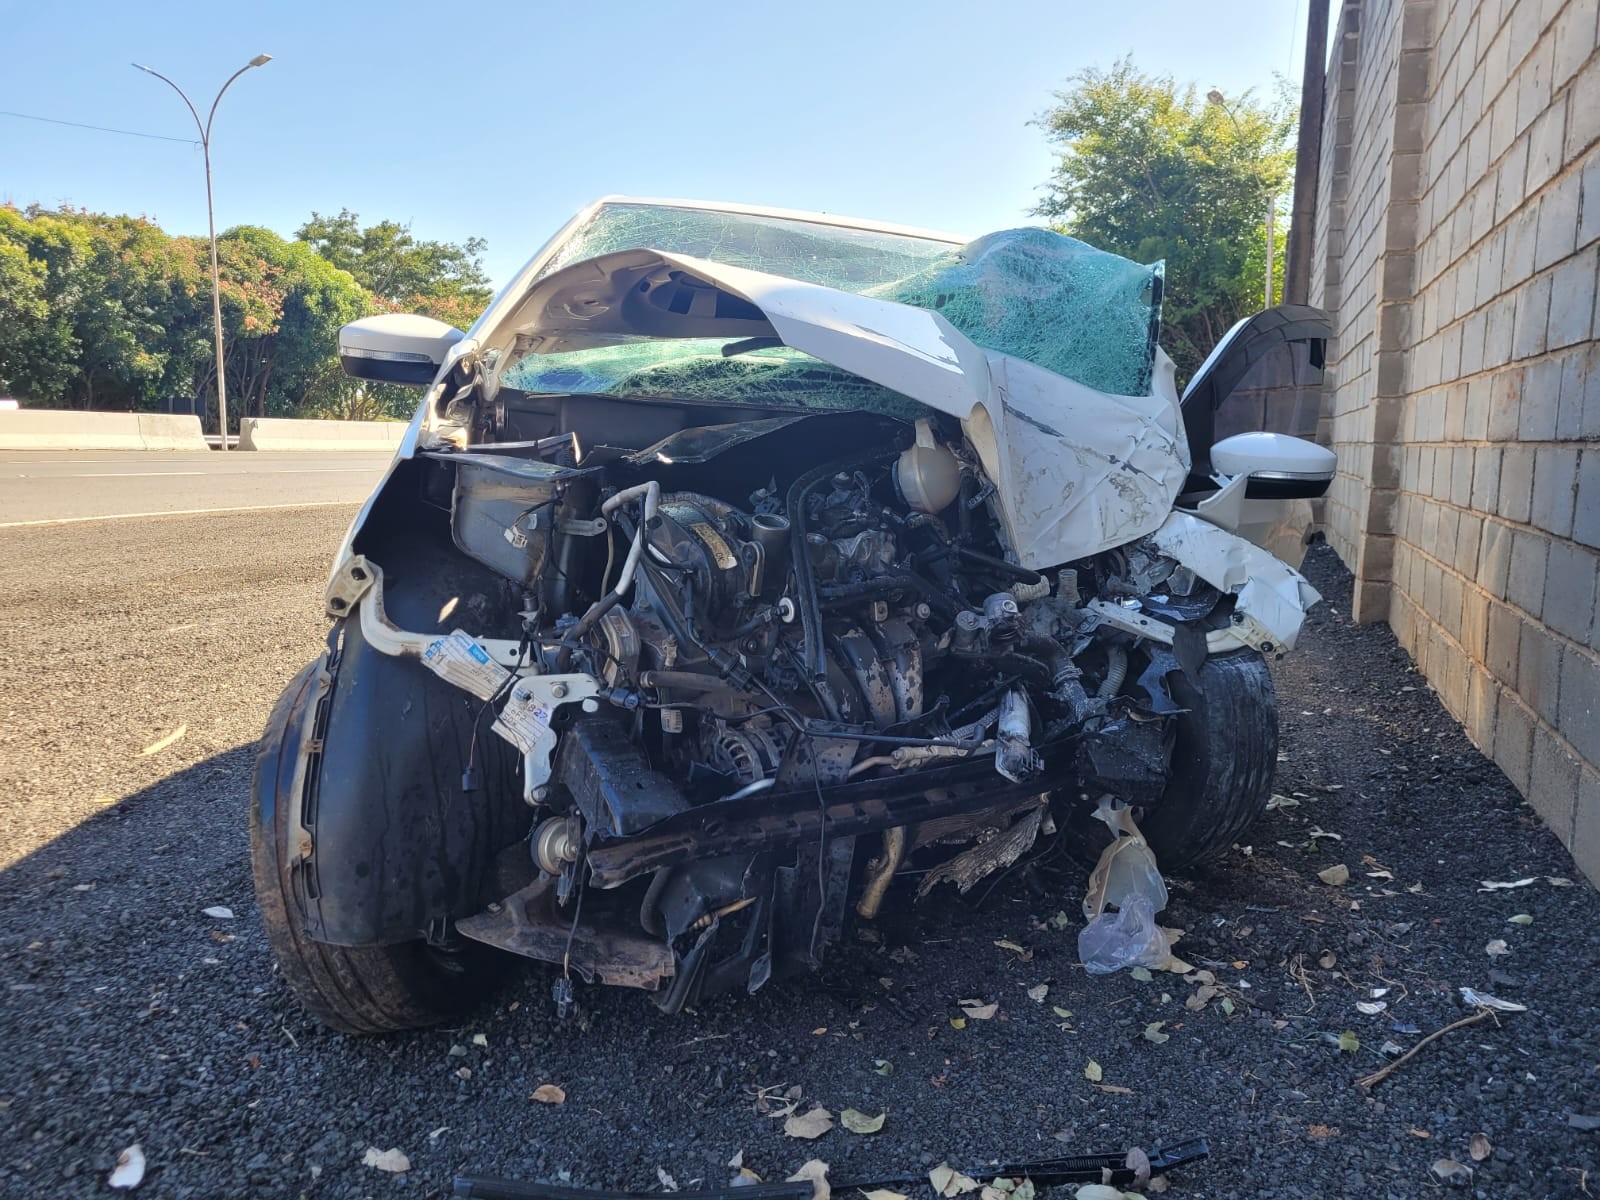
x=115 y=475
x=181 y=512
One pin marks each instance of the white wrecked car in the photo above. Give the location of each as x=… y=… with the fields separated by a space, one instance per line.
x=739 y=559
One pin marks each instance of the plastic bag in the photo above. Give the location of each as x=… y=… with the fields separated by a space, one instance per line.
x=1128 y=938
x=1127 y=867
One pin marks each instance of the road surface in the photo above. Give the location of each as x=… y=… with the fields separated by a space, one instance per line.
x=44 y=486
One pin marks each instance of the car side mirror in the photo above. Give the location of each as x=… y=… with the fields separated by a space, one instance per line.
x=1278 y=467
x=396 y=348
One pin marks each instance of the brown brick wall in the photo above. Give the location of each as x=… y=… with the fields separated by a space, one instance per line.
x=1458 y=250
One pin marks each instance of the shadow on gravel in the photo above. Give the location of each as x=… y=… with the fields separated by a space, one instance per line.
x=131 y=1016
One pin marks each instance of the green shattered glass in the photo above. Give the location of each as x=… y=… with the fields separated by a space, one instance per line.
x=1031 y=293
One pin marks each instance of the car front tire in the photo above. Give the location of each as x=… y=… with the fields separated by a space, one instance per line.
x=351 y=989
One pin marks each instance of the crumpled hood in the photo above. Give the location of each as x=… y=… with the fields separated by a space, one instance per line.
x=1076 y=470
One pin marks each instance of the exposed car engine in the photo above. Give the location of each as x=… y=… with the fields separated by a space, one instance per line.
x=853 y=625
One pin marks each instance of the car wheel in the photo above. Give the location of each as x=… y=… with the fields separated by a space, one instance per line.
x=352 y=989
x=1223 y=758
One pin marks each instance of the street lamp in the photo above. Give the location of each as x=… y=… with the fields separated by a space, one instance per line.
x=1216 y=98
x=259 y=60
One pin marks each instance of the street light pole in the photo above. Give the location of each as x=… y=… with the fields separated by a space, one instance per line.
x=259 y=60
x=1215 y=97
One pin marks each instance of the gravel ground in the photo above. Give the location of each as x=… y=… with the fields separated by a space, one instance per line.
x=129 y=1016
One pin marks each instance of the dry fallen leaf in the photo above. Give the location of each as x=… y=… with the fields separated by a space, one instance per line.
x=884 y=1194
x=977 y=1010
x=1152 y=1033
x=393 y=1161
x=219 y=912
x=816 y=1173
x=1480 y=1147
x=548 y=1093
x=1092 y=1072
x=479 y=1039
x=1114 y=1089
x=667 y=1181
x=1139 y=1163
x=1038 y=992
x=858 y=1122
x=808 y=1125
x=1520 y=919
x=1200 y=999
x=1448 y=1170
x=129 y=1172
x=1496 y=948
x=158 y=746
x=947 y=1181
x=1099 y=1191
x=1335 y=876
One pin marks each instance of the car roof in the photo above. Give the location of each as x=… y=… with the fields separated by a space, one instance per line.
x=792 y=214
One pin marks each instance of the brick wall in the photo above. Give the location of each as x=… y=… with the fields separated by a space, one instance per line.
x=1458 y=249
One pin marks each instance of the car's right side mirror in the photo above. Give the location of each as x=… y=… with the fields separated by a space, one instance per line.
x=396 y=348
x=1278 y=467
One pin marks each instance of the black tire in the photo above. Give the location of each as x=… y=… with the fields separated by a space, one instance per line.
x=1223 y=758
x=352 y=989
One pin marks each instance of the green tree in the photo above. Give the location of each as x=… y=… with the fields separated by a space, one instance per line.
x=102 y=311
x=1152 y=170
x=282 y=307
x=394 y=266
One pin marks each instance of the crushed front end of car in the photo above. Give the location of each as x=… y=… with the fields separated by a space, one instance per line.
x=737 y=562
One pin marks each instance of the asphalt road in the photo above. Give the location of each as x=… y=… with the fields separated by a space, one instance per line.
x=42 y=486
x=128 y=1015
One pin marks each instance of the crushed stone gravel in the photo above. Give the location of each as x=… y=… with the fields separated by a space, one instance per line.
x=130 y=1015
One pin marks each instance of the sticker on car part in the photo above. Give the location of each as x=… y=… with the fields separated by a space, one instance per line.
x=460 y=660
x=523 y=722
x=714 y=543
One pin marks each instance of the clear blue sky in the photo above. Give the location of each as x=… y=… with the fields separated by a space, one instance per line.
x=500 y=119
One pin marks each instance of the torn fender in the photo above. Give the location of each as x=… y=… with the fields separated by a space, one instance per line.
x=1272 y=597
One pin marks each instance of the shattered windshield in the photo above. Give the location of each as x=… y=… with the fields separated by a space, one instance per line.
x=1038 y=295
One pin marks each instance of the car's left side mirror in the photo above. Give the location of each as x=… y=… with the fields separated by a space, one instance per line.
x=1278 y=467
x=396 y=348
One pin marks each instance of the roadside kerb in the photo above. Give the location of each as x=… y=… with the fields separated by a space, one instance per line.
x=280 y=433
x=67 y=429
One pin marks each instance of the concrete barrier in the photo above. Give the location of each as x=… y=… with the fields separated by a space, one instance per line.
x=72 y=429
x=280 y=433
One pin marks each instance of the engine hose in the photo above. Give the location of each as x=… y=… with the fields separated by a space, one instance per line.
x=649 y=493
x=1116 y=672
x=1012 y=662
x=1001 y=567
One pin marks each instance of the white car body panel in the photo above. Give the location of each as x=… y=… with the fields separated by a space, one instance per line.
x=1272 y=597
